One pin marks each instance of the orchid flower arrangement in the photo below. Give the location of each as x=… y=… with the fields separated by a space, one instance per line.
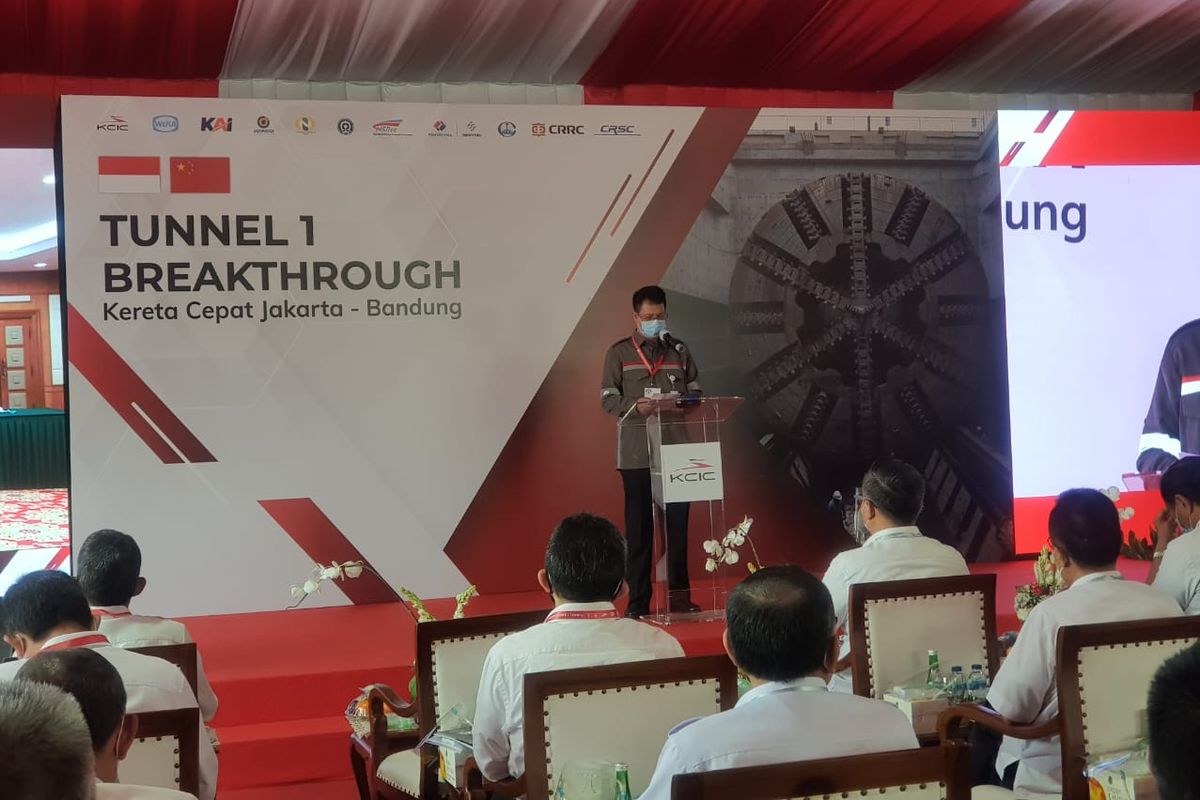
x=725 y=550
x=348 y=570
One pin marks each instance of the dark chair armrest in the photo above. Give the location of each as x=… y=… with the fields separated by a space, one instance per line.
x=386 y=697
x=480 y=788
x=950 y=724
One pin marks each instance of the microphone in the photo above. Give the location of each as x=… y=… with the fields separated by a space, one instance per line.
x=670 y=341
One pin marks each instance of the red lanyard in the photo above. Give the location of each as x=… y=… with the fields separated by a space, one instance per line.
x=557 y=615
x=653 y=370
x=71 y=644
x=100 y=612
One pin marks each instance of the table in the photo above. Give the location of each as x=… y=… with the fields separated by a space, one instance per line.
x=33 y=449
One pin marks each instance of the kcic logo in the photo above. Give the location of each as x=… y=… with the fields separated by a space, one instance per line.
x=697 y=471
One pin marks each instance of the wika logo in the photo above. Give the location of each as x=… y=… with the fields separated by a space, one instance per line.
x=697 y=471
x=112 y=124
x=224 y=124
x=165 y=123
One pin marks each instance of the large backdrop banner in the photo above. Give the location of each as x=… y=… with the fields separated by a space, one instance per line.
x=302 y=332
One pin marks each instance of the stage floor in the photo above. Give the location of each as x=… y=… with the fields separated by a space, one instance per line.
x=285 y=677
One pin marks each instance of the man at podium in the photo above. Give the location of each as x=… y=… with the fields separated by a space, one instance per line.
x=1172 y=428
x=650 y=363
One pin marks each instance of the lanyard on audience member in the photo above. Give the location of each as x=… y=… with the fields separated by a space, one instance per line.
x=653 y=370
x=81 y=641
x=100 y=612
x=555 y=616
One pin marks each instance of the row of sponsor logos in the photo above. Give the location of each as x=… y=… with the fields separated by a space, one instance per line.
x=305 y=125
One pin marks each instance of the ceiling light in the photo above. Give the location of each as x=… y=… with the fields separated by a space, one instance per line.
x=49 y=179
x=40 y=265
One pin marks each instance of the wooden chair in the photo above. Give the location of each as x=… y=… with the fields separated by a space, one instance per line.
x=1103 y=676
x=932 y=773
x=894 y=625
x=450 y=656
x=617 y=713
x=166 y=752
x=181 y=655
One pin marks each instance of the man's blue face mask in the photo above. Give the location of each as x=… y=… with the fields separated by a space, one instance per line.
x=652 y=328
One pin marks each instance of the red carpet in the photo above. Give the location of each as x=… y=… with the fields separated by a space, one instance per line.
x=284 y=678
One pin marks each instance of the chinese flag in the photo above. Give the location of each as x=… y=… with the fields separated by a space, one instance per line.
x=200 y=175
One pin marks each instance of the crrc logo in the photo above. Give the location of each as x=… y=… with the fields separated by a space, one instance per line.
x=697 y=471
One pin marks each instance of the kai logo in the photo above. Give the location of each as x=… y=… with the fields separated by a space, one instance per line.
x=216 y=124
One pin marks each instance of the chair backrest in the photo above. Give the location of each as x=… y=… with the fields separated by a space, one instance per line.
x=1104 y=674
x=166 y=752
x=931 y=773
x=181 y=655
x=894 y=625
x=450 y=656
x=618 y=713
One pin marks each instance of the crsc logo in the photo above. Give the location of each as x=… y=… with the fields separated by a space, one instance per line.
x=697 y=470
x=617 y=130
x=165 y=123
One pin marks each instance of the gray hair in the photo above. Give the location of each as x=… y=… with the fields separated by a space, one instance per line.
x=45 y=747
x=896 y=488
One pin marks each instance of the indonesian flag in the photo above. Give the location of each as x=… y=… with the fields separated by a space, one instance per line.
x=1189 y=385
x=129 y=174
x=200 y=175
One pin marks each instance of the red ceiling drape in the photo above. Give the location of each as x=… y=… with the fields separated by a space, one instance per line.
x=166 y=39
x=859 y=45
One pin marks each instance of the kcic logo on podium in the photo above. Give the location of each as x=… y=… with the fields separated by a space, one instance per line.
x=697 y=471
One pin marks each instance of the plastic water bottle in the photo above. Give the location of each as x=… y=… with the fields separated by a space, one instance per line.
x=977 y=684
x=956 y=687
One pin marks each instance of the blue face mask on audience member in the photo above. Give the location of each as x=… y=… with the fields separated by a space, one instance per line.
x=652 y=328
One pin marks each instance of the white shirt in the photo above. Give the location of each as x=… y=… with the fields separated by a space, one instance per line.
x=125 y=629
x=498 y=730
x=778 y=723
x=124 y=791
x=1024 y=690
x=1179 y=571
x=151 y=684
x=893 y=554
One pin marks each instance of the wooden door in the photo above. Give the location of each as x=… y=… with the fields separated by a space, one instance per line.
x=22 y=384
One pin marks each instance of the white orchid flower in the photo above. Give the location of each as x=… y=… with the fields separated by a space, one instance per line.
x=353 y=569
x=311 y=586
x=711 y=546
x=331 y=573
x=1113 y=493
x=731 y=557
x=298 y=592
x=1127 y=513
x=710 y=565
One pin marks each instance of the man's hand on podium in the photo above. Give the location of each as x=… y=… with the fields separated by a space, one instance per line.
x=646 y=406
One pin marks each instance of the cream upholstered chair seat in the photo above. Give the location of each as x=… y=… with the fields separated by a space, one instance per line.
x=166 y=752
x=619 y=713
x=402 y=771
x=930 y=773
x=895 y=624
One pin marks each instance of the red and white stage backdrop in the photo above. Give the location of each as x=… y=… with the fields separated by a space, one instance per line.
x=304 y=331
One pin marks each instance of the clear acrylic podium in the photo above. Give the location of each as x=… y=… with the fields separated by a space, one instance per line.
x=684 y=438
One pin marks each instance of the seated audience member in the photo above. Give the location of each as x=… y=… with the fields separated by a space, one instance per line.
x=1173 y=716
x=584 y=574
x=45 y=751
x=47 y=611
x=1176 y=568
x=893 y=549
x=780 y=632
x=1085 y=533
x=109 y=567
x=96 y=686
